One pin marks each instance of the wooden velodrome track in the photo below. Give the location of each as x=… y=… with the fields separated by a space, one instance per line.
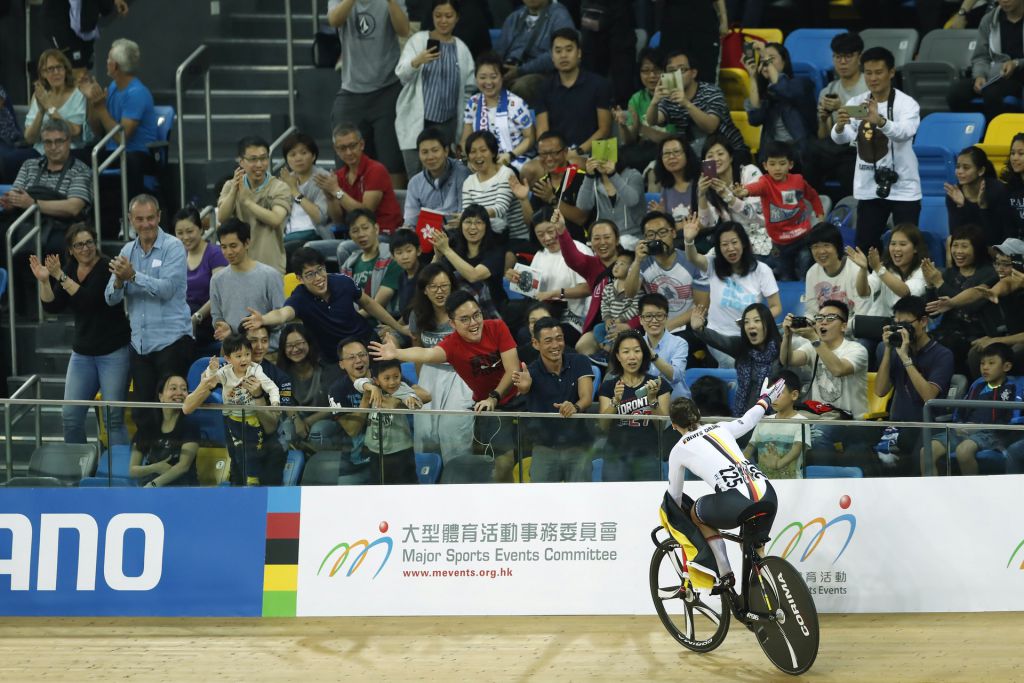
x=875 y=647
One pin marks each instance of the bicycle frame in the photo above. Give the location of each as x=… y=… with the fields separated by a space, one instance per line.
x=740 y=602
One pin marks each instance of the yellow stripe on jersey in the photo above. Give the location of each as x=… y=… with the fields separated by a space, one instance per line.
x=756 y=491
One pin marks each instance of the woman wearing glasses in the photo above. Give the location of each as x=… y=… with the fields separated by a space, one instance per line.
x=675 y=179
x=54 y=97
x=300 y=359
x=99 y=352
x=452 y=435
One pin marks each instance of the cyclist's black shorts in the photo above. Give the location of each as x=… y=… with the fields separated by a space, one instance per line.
x=729 y=509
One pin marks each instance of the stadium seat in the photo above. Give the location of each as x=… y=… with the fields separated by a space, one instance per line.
x=844 y=216
x=934 y=222
x=832 y=472
x=213 y=466
x=428 y=467
x=322 y=469
x=159 y=148
x=65 y=463
x=998 y=135
x=812 y=46
x=3 y=281
x=521 y=472
x=791 y=296
x=934 y=241
x=878 y=406
x=468 y=469
x=597 y=469
x=990 y=461
x=597 y=379
x=939 y=138
x=291 y=281
x=751 y=134
x=768 y=35
x=944 y=56
x=735 y=85
x=655 y=40
x=641 y=41
x=901 y=42
x=112 y=469
x=293 y=466
x=812 y=73
x=409 y=372
x=727 y=375
x=495 y=34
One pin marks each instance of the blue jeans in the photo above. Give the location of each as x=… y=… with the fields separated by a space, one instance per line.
x=86 y=375
x=791 y=262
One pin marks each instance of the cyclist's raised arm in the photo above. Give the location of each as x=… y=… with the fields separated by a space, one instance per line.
x=750 y=418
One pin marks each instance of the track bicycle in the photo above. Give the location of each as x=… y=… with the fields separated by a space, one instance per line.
x=774 y=603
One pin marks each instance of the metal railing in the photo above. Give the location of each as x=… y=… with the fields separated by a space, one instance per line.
x=316 y=17
x=291 y=61
x=192 y=68
x=28 y=52
x=277 y=143
x=35 y=233
x=9 y=422
x=926 y=415
x=211 y=211
x=120 y=152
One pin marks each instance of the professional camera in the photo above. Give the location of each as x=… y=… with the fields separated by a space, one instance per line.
x=884 y=179
x=896 y=339
x=656 y=247
x=799 y=322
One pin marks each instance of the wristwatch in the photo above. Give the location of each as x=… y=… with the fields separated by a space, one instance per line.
x=63 y=278
x=339 y=195
x=961 y=12
x=816 y=343
x=299 y=197
x=495 y=395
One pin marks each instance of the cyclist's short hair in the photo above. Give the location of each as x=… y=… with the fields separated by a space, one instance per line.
x=684 y=413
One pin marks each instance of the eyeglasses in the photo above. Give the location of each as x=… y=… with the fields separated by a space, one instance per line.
x=658 y=234
x=999 y=263
x=673 y=69
x=653 y=317
x=672 y=153
x=845 y=57
x=55 y=142
x=828 y=318
x=295 y=346
x=467 y=319
x=351 y=147
x=257 y=160
x=438 y=288
x=362 y=355
x=552 y=153
x=53 y=69
x=315 y=273
x=84 y=244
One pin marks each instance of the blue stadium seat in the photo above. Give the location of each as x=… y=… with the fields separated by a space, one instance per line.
x=939 y=138
x=812 y=46
x=428 y=467
x=3 y=282
x=989 y=461
x=160 y=148
x=811 y=72
x=114 y=463
x=727 y=375
x=791 y=296
x=597 y=468
x=934 y=223
x=409 y=373
x=495 y=34
x=655 y=43
x=832 y=472
x=597 y=379
x=293 y=466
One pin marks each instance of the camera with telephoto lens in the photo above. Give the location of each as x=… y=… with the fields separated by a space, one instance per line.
x=656 y=247
x=895 y=338
x=885 y=177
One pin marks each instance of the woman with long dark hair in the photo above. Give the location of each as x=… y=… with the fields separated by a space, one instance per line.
x=99 y=352
x=884 y=280
x=476 y=257
x=299 y=356
x=634 y=440
x=755 y=349
x=781 y=103
x=451 y=435
x=736 y=279
x=977 y=198
x=204 y=260
x=1013 y=176
x=716 y=202
x=675 y=179
x=165 y=454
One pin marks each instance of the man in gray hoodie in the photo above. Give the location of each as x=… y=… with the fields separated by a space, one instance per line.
x=996 y=71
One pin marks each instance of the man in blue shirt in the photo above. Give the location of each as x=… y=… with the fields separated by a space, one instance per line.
x=563 y=383
x=327 y=305
x=128 y=103
x=438 y=186
x=150 y=274
x=668 y=352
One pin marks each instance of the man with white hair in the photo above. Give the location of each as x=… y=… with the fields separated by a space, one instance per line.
x=126 y=101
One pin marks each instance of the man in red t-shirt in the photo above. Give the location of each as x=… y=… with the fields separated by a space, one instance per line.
x=483 y=353
x=360 y=183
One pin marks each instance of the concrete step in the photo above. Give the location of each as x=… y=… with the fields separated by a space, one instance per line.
x=241 y=76
x=51 y=386
x=227 y=101
x=51 y=360
x=258 y=51
x=270 y=24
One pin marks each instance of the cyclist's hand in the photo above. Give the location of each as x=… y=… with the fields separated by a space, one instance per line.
x=770 y=394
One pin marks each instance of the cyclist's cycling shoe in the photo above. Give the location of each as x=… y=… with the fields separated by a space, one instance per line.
x=724 y=584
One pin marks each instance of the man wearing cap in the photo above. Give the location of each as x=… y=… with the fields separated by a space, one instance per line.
x=1002 y=323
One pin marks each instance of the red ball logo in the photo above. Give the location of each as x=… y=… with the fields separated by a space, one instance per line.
x=383 y=526
x=844 y=502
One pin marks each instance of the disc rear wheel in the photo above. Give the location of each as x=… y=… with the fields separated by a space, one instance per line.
x=791 y=641
x=697 y=619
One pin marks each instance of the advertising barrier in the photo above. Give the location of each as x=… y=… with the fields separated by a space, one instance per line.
x=862 y=545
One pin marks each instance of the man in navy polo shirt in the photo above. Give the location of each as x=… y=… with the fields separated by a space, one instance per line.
x=327 y=305
x=919 y=369
x=557 y=382
x=575 y=102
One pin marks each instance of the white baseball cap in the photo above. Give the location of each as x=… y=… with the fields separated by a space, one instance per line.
x=1010 y=247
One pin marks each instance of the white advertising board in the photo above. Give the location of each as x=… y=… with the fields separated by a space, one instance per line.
x=863 y=545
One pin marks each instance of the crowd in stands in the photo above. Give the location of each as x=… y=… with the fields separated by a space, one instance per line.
x=466 y=178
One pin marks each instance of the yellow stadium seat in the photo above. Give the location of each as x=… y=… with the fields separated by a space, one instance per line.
x=751 y=134
x=735 y=84
x=101 y=426
x=527 y=461
x=878 y=406
x=291 y=281
x=768 y=35
x=213 y=466
x=998 y=135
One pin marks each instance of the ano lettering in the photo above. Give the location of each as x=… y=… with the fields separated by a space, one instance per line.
x=792 y=604
x=19 y=565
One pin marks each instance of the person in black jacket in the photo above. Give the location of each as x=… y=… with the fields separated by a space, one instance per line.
x=71 y=26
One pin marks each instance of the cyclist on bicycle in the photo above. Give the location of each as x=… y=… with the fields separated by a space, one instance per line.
x=742 y=492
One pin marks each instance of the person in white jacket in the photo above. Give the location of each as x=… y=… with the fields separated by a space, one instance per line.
x=436 y=70
x=896 y=115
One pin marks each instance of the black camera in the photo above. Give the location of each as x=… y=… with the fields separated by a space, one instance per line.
x=885 y=177
x=656 y=247
x=799 y=322
x=895 y=338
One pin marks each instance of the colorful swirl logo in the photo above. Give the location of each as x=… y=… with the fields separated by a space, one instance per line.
x=364 y=546
x=822 y=527
x=1014 y=554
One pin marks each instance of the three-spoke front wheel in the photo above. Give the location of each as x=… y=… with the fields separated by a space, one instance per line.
x=697 y=619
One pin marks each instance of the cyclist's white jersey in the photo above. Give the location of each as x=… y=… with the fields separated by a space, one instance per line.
x=711 y=453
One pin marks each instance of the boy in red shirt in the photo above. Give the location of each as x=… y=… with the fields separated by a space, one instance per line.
x=787 y=220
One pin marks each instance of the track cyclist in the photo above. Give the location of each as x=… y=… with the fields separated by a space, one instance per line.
x=741 y=490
